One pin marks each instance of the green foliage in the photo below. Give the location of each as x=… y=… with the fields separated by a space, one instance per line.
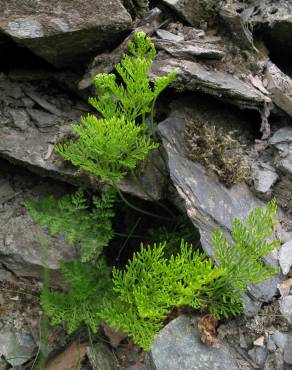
x=218 y=151
x=71 y=216
x=106 y=147
x=134 y=97
x=151 y=284
x=110 y=146
x=90 y=286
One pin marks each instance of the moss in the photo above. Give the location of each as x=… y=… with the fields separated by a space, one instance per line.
x=218 y=151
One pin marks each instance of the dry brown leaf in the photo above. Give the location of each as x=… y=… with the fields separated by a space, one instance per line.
x=70 y=359
x=115 y=337
x=208 y=329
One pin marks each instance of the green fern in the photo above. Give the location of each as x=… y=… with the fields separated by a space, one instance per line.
x=70 y=215
x=90 y=287
x=106 y=147
x=133 y=98
x=110 y=146
x=152 y=284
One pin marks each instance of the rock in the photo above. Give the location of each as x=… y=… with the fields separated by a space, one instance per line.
x=285 y=287
x=20 y=242
x=100 y=357
x=3 y=364
x=190 y=50
x=286 y=307
x=259 y=342
x=266 y=289
x=265 y=177
x=280 y=87
x=33 y=147
x=64 y=33
x=194 y=11
x=285 y=257
x=16 y=347
x=288 y=352
x=137 y=366
x=282 y=141
x=192 y=76
x=178 y=347
x=258 y=355
x=169 y=36
x=280 y=339
x=251 y=306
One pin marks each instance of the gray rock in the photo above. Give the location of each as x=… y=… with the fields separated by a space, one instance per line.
x=280 y=339
x=192 y=76
x=169 y=36
x=101 y=358
x=280 y=87
x=33 y=147
x=178 y=347
x=265 y=177
x=190 y=50
x=258 y=355
x=288 y=352
x=282 y=136
x=193 y=11
x=62 y=33
x=20 y=118
x=207 y=202
x=6 y=191
x=16 y=347
x=285 y=257
x=286 y=307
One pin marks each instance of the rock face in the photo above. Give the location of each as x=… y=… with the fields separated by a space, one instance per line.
x=63 y=32
x=36 y=115
x=178 y=347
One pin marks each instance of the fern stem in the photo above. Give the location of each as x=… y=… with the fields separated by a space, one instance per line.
x=152 y=118
x=128 y=237
x=138 y=209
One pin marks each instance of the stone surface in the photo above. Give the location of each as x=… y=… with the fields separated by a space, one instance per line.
x=100 y=357
x=265 y=177
x=288 y=351
x=193 y=11
x=178 y=347
x=169 y=36
x=47 y=122
x=258 y=355
x=192 y=76
x=64 y=32
x=282 y=141
x=16 y=347
x=280 y=87
x=190 y=50
x=20 y=237
x=280 y=339
x=285 y=257
x=286 y=307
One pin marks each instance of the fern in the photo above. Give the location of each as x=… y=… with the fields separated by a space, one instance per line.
x=135 y=96
x=152 y=284
x=110 y=146
x=70 y=215
x=106 y=147
x=90 y=287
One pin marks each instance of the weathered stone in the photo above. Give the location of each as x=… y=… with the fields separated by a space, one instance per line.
x=288 y=351
x=265 y=290
x=63 y=33
x=190 y=50
x=192 y=76
x=101 y=358
x=258 y=355
x=15 y=346
x=285 y=257
x=282 y=141
x=178 y=347
x=280 y=339
x=169 y=36
x=280 y=87
x=265 y=177
x=286 y=307
x=33 y=147
x=194 y=11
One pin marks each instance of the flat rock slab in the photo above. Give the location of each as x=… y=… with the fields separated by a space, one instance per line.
x=208 y=203
x=63 y=32
x=192 y=76
x=36 y=116
x=178 y=347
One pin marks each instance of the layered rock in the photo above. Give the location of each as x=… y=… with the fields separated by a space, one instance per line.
x=64 y=32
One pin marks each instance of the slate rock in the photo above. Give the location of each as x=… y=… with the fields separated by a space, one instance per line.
x=178 y=347
x=286 y=307
x=258 y=355
x=100 y=357
x=169 y=36
x=192 y=76
x=280 y=87
x=265 y=176
x=288 y=351
x=285 y=257
x=280 y=339
x=64 y=32
x=17 y=347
